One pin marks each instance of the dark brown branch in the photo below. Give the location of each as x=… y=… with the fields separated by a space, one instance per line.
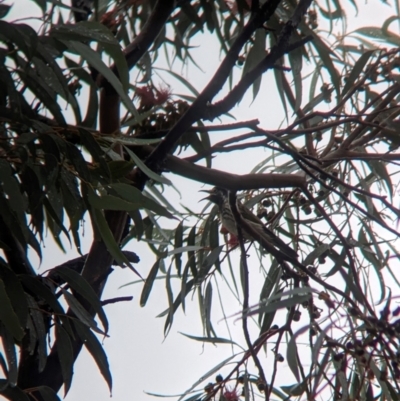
x=344 y=242
x=230 y=181
x=303 y=162
x=357 y=132
x=279 y=50
x=141 y=44
x=198 y=109
x=340 y=155
x=115 y=300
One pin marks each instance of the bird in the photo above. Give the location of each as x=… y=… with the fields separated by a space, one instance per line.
x=82 y=9
x=259 y=232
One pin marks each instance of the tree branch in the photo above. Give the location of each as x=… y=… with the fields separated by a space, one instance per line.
x=198 y=109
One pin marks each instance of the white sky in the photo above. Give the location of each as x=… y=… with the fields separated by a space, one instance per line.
x=140 y=359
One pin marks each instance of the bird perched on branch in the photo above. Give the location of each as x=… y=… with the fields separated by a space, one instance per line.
x=253 y=229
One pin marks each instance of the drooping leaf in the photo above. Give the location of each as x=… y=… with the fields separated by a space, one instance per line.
x=48 y=393
x=148 y=285
x=38 y=332
x=15 y=293
x=81 y=313
x=212 y=340
x=8 y=317
x=178 y=241
x=96 y=350
x=254 y=57
x=65 y=355
x=151 y=174
x=10 y=354
x=296 y=63
x=94 y=59
x=356 y=71
x=82 y=287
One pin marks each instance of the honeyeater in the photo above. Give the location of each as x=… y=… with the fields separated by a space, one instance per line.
x=220 y=197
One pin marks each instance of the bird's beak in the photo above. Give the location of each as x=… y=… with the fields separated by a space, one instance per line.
x=207 y=191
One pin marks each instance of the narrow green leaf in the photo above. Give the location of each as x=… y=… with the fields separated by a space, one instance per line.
x=95 y=151
x=325 y=54
x=130 y=140
x=212 y=340
x=65 y=355
x=356 y=71
x=274 y=305
x=379 y=168
x=151 y=174
x=178 y=242
x=180 y=78
x=291 y=353
x=316 y=253
x=76 y=158
x=15 y=394
x=42 y=291
x=110 y=202
x=270 y=282
x=8 y=316
x=81 y=313
x=295 y=390
x=178 y=251
x=94 y=59
x=255 y=56
x=148 y=285
x=191 y=241
x=4 y=9
x=15 y=293
x=39 y=333
x=380 y=34
x=96 y=350
x=11 y=187
x=212 y=256
x=205 y=376
x=48 y=393
x=296 y=64
x=171 y=309
x=84 y=31
x=10 y=353
x=81 y=286
x=22 y=35
x=207 y=308
x=119 y=168
x=130 y=193
x=279 y=86
x=108 y=238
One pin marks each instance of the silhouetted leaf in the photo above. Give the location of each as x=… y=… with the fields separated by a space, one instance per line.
x=146 y=170
x=212 y=340
x=356 y=71
x=82 y=287
x=65 y=355
x=9 y=350
x=96 y=350
x=15 y=294
x=95 y=61
x=38 y=334
x=254 y=57
x=178 y=241
x=8 y=316
x=48 y=393
x=148 y=285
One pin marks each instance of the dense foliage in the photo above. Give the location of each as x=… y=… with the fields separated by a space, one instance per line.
x=327 y=187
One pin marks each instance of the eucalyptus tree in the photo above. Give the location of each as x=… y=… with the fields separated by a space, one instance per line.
x=88 y=133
